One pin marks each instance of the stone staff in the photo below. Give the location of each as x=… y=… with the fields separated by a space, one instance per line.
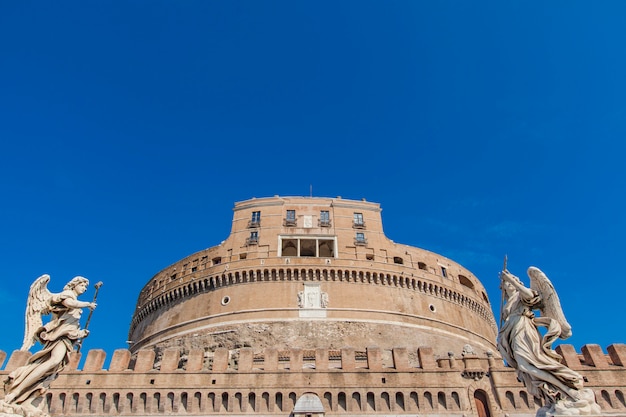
x=502 y=291
x=97 y=286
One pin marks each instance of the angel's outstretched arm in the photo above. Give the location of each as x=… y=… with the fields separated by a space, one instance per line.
x=71 y=303
x=515 y=282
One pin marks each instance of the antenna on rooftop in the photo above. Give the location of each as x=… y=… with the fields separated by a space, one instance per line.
x=311 y=190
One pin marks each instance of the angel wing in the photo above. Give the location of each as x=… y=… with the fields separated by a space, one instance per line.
x=38 y=305
x=551 y=306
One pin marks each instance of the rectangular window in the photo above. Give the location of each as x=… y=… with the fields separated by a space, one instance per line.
x=444 y=272
x=319 y=247
x=326 y=248
x=256 y=219
x=360 y=239
x=324 y=218
x=290 y=218
x=254 y=238
x=308 y=247
x=358 y=220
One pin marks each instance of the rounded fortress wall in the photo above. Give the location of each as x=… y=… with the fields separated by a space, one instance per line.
x=301 y=272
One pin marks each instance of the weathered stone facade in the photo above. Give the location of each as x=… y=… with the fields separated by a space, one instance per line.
x=313 y=273
x=347 y=382
x=307 y=308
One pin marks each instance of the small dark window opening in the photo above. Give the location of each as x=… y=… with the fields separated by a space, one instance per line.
x=398 y=260
x=466 y=281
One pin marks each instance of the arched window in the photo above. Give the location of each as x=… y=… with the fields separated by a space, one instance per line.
x=524 y=396
x=279 y=401
x=456 y=400
x=197 y=401
x=224 y=405
x=466 y=281
x=356 y=401
x=116 y=402
x=252 y=401
x=441 y=399
x=341 y=401
x=170 y=402
x=400 y=401
x=371 y=404
x=428 y=400
x=510 y=398
x=385 y=403
x=238 y=403
x=328 y=400
x=75 y=399
x=157 y=402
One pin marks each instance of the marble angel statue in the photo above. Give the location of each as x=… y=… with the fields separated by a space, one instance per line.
x=25 y=386
x=524 y=348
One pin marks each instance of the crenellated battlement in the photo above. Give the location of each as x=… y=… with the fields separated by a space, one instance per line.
x=346 y=359
x=369 y=381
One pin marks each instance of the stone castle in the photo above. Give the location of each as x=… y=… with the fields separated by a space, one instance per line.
x=308 y=309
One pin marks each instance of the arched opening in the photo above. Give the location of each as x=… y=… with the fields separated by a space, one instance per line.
x=441 y=400
x=252 y=401
x=356 y=401
x=341 y=401
x=482 y=403
x=224 y=404
x=400 y=400
x=279 y=401
x=466 y=281
x=371 y=404
x=385 y=402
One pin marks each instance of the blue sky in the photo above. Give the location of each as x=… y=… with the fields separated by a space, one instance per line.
x=129 y=130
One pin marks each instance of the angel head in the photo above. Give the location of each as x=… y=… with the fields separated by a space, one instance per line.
x=77 y=284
